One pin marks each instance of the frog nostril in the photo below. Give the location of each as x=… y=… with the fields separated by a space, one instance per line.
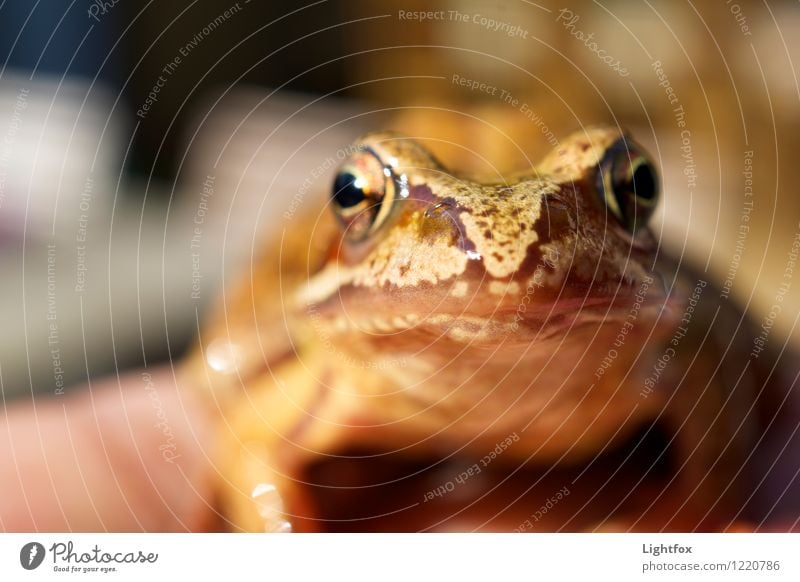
x=438 y=209
x=440 y=219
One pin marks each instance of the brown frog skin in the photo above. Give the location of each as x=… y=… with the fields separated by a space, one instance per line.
x=434 y=352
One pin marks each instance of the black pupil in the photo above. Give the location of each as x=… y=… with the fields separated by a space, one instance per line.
x=644 y=182
x=345 y=192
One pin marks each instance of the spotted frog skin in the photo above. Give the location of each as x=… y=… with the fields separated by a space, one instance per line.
x=436 y=352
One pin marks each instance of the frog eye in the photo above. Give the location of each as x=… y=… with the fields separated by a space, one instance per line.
x=362 y=195
x=628 y=184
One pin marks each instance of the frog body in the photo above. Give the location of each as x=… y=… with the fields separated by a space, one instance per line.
x=437 y=352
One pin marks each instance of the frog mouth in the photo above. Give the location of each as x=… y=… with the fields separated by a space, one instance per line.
x=525 y=319
x=556 y=320
x=516 y=322
x=494 y=313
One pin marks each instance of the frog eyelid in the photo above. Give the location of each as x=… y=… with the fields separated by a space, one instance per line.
x=386 y=204
x=389 y=193
x=609 y=194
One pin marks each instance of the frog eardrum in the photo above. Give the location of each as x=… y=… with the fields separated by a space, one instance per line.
x=628 y=184
x=363 y=192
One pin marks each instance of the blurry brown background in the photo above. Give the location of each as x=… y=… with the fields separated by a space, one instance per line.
x=271 y=91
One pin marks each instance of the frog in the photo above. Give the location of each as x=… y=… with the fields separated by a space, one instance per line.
x=430 y=350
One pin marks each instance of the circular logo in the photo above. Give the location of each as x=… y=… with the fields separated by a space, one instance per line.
x=31 y=555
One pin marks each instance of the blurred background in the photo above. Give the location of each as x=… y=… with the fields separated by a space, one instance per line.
x=147 y=149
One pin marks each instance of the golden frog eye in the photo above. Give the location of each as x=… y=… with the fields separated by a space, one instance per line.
x=362 y=195
x=628 y=184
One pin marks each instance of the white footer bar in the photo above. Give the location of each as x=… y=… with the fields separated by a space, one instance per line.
x=406 y=557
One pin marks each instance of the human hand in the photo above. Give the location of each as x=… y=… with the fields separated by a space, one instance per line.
x=125 y=454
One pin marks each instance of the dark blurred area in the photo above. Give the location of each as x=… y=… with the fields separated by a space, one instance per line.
x=123 y=47
x=129 y=126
